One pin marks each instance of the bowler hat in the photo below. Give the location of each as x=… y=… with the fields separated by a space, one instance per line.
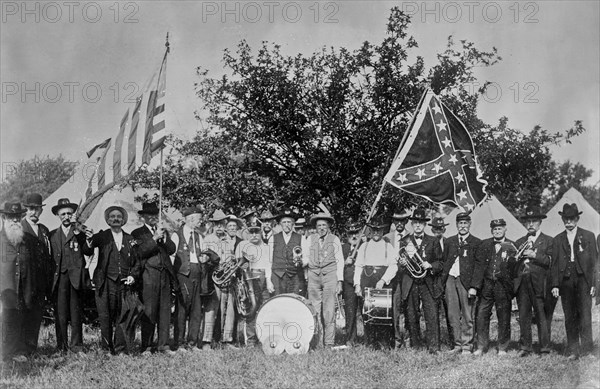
x=116 y=208
x=33 y=200
x=64 y=203
x=149 y=209
x=321 y=216
x=12 y=209
x=287 y=212
x=463 y=216
x=533 y=212
x=419 y=214
x=438 y=222
x=569 y=210
x=497 y=223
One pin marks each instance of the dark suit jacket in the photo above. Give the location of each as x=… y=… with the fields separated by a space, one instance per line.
x=466 y=260
x=538 y=266
x=153 y=254
x=74 y=260
x=430 y=251
x=45 y=263
x=484 y=255
x=586 y=256
x=130 y=265
x=17 y=272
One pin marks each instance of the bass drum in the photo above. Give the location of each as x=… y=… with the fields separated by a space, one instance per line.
x=287 y=322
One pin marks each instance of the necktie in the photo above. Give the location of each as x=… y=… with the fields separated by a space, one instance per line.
x=497 y=245
x=461 y=241
x=153 y=230
x=191 y=243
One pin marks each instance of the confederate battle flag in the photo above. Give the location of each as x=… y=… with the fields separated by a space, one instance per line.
x=437 y=161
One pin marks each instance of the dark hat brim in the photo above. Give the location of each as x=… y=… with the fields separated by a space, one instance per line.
x=419 y=219
x=569 y=214
x=34 y=205
x=537 y=217
x=314 y=219
x=58 y=207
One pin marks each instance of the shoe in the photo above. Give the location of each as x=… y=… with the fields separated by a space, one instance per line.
x=230 y=346
x=572 y=357
x=19 y=358
x=147 y=352
x=455 y=350
x=502 y=353
x=182 y=350
x=478 y=352
x=195 y=349
x=168 y=352
x=206 y=346
x=523 y=353
x=80 y=354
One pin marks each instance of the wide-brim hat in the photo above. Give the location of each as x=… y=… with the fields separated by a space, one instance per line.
x=149 y=209
x=401 y=216
x=248 y=213
x=321 y=216
x=218 y=216
x=533 y=212
x=64 y=203
x=300 y=223
x=419 y=214
x=187 y=211
x=569 y=210
x=108 y=210
x=378 y=223
x=12 y=209
x=33 y=200
x=438 y=222
x=287 y=212
x=233 y=218
x=266 y=216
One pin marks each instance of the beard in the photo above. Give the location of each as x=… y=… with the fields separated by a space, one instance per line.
x=14 y=233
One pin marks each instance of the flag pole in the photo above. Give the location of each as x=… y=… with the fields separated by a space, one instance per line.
x=160 y=177
x=380 y=194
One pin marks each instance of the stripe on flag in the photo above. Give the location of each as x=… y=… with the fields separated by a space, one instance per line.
x=155 y=122
x=132 y=146
x=119 y=148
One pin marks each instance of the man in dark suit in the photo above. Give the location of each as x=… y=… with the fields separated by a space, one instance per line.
x=425 y=289
x=349 y=250
x=459 y=259
x=70 y=276
x=398 y=305
x=438 y=229
x=530 y=282
x=493 y=282
x=286 y=268
x=158 y=278
x=33 y=317
x=117 y=269
x=18 y=291
x=574 y=263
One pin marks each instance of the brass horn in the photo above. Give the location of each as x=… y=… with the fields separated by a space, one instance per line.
x=230 y=273
x=412 y=261
x=297 y=255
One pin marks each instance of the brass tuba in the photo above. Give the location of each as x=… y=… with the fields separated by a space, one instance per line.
x=412 y=261
x=297 y=255
x=224 y=272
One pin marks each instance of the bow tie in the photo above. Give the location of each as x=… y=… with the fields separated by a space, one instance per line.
x=418 y=236
x=531 y=234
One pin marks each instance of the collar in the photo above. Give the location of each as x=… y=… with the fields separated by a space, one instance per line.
x=537 y=235
x=32 y=224
x=149 y=227
x=573 y=232
x=65 y=229
x=419 y=236
x=187 y=230
x=500 y=240
x=463 y=237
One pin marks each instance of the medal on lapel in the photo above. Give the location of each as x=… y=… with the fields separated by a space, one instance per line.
x=76 y=246
x=580 y=244
x=504 y=255
x=465 y=253
x=71 y=244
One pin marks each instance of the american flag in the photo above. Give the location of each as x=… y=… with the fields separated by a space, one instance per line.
x=437 y=160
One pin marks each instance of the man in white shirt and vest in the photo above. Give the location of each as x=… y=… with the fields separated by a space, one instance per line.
x=322 y=253
x=286 y=266
x=376 y=267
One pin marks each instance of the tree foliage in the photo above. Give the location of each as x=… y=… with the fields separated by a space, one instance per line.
x=299 y=130
x=42 y=175
x=570 y=175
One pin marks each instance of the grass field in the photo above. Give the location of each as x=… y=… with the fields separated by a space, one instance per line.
x=358 y=367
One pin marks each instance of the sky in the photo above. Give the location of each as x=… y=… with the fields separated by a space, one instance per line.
x=69 y=70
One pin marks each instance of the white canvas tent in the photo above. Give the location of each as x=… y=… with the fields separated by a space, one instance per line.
x=481 y=217
x=589 y=219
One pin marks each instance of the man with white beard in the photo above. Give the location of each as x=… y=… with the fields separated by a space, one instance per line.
x=18 y=291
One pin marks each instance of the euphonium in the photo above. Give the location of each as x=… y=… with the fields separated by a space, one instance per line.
x=527 y=245
x=413 y=261
x=243 y=291
x=223 y=274
x=297 y=255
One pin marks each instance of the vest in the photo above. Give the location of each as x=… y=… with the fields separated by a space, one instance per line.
x=321 y=260
x=283 y=254
x=182 y=260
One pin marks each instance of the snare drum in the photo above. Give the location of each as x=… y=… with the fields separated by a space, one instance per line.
x=287 y=322
x=377 y=308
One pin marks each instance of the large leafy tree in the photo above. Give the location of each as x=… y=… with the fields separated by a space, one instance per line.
x=41 y=175
x=568 y=175
x=325 y=127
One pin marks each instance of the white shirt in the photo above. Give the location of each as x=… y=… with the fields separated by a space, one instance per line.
x=571 y=238
x=65 y=230
x=187 y=233
x=258 y=255
x=34 y=226
x=339 y=256
x=286 y=237
x=373 y=253
x=118 y=238
x=455 y=269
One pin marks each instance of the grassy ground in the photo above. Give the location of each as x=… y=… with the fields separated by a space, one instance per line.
x=359 y=367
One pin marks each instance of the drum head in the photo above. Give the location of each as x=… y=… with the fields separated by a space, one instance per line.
x=288 y=319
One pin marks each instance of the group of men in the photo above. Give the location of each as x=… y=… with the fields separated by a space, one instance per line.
x=463 y=275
